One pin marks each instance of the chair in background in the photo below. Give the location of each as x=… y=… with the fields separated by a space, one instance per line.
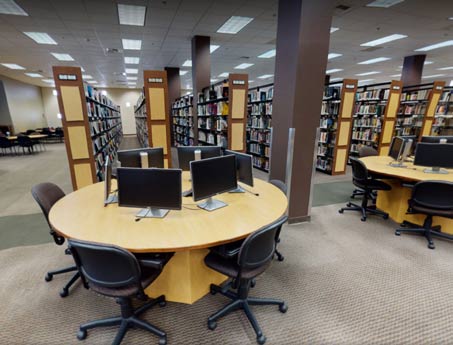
x=362 y=180
x=128 y=279
x=282 y=186
x=46 y=195
x=254 y=258
x=364 y=151
x=26 y=143
x=6 y=144
x=431 y=198
x=59 y=134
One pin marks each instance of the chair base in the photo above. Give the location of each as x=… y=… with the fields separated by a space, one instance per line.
x=244 y=304
x=65 y=291
x=365 y=210
x=128 y=319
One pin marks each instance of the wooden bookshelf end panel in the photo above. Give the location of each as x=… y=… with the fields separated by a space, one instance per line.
x=159 y=137
x=427 y=127
x=83 y=174
x=79 y=145
x=343 y=134
x=70 y=96
x=237 y=137
x=157 y=104
x=393 y=104
x=340 y=161
x=348 y=104
x=238 y=109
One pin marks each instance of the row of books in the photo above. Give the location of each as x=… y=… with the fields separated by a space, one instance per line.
x=183 y=131
x=218 y=124
x=327 y=137
x=366 y=134
x=323 y=150
x=98 y=126
x=355 y=147
x=419 y=95
x=259 y=122
x=447 y=96
x=261 y=163
x=259 y=149
x=96 y=95
x=327 y=123
x=323 y=164
x=444 y=109
x=411 y=109
x=213 y=92
x=185 y=101
x=373 y=95
x=332 y=93
x=99 y=111
x=410 y=121
x=109 y=151
x=184 y=112
x=330 y=108
x=367 y=122
x=101 y=141
x=183 y=121
x=217 y=108
x=141 y=126
x=261 y=109
x=261 y=94
x=362 y=109
x=257 y=135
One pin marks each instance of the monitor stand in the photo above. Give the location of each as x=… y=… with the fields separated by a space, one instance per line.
x=397 y=164
x=151 y=212
x=112 y=199
x=212 y=204
x=239 y=189
x=187 y=193
x=435 y=170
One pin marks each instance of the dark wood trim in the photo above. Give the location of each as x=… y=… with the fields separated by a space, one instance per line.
x=438 y=88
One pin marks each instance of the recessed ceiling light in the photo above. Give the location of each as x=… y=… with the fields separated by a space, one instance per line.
x=243 y=66
x=223 y=75
x=131 y=70
x=395 y=75
x=450 y=18
x=375 y=60
x=333 y=70
x=435 y=46
x=365 y=81
x=384 y=3
x=451 y=82
x=428 y=62
x=433 y=76
x=86 y=76
x=34 y=75
x=49 y=81
x=267 y=55
x=214 y=80
x=445 y=68
x=333 y=55
x=213 y=48
x=131 y=78
x=40 y=37
x=83 y=69
x=10 y=7
x=383 y=40
x=131 y=83
x=55 y=92
x=368 y=73
x=251 y=81
x=265 y=76
x=92 y=81
x=132 y=44
x=187 y=63
x=62 y=57
x=332 y=30
x=181 y=72
x=131 y=60
x=131 y=15
x=234 y=25
x=336 y=79
x=12 y=66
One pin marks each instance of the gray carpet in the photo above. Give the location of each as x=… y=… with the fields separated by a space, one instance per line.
x=346 y=282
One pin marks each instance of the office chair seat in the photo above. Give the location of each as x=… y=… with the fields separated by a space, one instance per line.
x=447 y=213
x=228 y=250
x=229 y=267
x=372 y=184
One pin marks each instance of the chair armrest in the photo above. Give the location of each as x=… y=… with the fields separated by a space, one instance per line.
x=229 y=250
x=153 y=260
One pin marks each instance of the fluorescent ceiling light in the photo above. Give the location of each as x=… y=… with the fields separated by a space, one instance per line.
x=62 y=57
x=265 y=76
x=445 y=68
x=383 y=40
x=187 y=63
x=92 y=81
x=131 y=78
x=433 y=76
x=435 y=46
x=131 y=83
x=396 y=75
x=333 y=55
x=234 y=25
x=223 y=75
x=55 y=92
x=34 y=75
x=368 y=73
x=332 y=29
x=41 y=37
x=365 y=80
x=131 y=15
x=10 y=7
x=243 y=66
x=12 y=66
x=427 y=62
x=131 y=70
x=375 y=60
x=131 y=60
x=83 y=69
x=182 y=72
x=214 y=80
x=333 y=70
x=50 y=81
x=384 y=3
x=132 y=44
x=86 y=76
x=267 y=55
x=451 y=82
x=336 y=79
x=251 y=81
x=213 y=48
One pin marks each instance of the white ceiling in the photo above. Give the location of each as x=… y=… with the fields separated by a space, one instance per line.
x=85 y=28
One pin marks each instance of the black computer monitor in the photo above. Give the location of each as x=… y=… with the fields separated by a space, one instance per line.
x=109 y=198
x=186 y=154
x=435 y=156
x=244 y=168
x=406 y=138
x=213 y=176
x=159 y=190
x=395 y=147
x=132 y=158
x=446 y=139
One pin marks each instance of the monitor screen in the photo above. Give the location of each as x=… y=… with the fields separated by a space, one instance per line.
x=186 y=154
x=436 y=139
x=414 y=142
x=434 y=155
x=395 y=147
x=244 y=167
x=157 y=188
x=132 y=159
x=107 y=177
x=213 y=176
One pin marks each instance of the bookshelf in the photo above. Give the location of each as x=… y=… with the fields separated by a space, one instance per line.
x=220 y=117
x=432 y=106
x=259 y=124
x=369 y=110
x=443 y=116
x=335 y=127
x=91 y=123
x=183 y=120
x=152 y=116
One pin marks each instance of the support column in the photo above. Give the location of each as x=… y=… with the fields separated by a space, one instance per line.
x=201 y=73
x=174 y=90
x=303 y=30
x=412 y=69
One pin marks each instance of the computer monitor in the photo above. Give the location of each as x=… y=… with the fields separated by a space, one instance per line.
x=158 y=190
x=132 y=158
x=186 y=154
x=441 y=139
x=414 y=142
x=213 y=176
x=244 y=169
x=395 y=147
x=109 y=198
x=435 y=156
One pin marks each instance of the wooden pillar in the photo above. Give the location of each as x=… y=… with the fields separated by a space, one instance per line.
x=201 y=72
x=303 y=29
x=412 y=69
x=174 y=89
x=428 y=117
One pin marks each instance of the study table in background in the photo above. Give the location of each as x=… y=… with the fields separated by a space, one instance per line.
x=188 y=232
x=395 y=201
x=31 y=136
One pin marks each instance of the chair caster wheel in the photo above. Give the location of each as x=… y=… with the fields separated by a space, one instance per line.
x=212 y=291
x=397 y=233
x=64 y=293
x=363 y=219
x=261 y=339
x=48 y=277
x=280 y=257
x=212 y=325
x=348 y=204
x=162 y=304
x=253 y=283
x=431 y=246
x=283 y=308
x=386 y=216
x=163 y=341
x=340 y=210
x=81 y=334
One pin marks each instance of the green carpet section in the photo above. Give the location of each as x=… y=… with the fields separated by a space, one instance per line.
x=332 y=193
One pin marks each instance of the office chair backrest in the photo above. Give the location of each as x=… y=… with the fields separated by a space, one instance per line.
x=46 y=195
x=359 y=170
x=280 y=185
x=258 y=248
x=433 y=194
x=106 y=265
x=23 y=140
x=367 y=151
x=4 y=142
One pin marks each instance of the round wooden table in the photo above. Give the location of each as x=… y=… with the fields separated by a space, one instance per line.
x=395 y=201
x=188 y=232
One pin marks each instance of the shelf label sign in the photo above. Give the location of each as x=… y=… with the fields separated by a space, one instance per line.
x=155 y=80
x=350 y=86
x=438 y=87
x=395 y=87
x=238 y=82
x=67 y=77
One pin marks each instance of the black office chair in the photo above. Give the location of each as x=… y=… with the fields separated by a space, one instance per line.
x=26 y=143
x=114 y=272
x=46 y=195
x=361 y=179
x=6 y=144
x=364 y=151
x=282 y=186
x=254 y=257
x=59 y=134
x=432 y=198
